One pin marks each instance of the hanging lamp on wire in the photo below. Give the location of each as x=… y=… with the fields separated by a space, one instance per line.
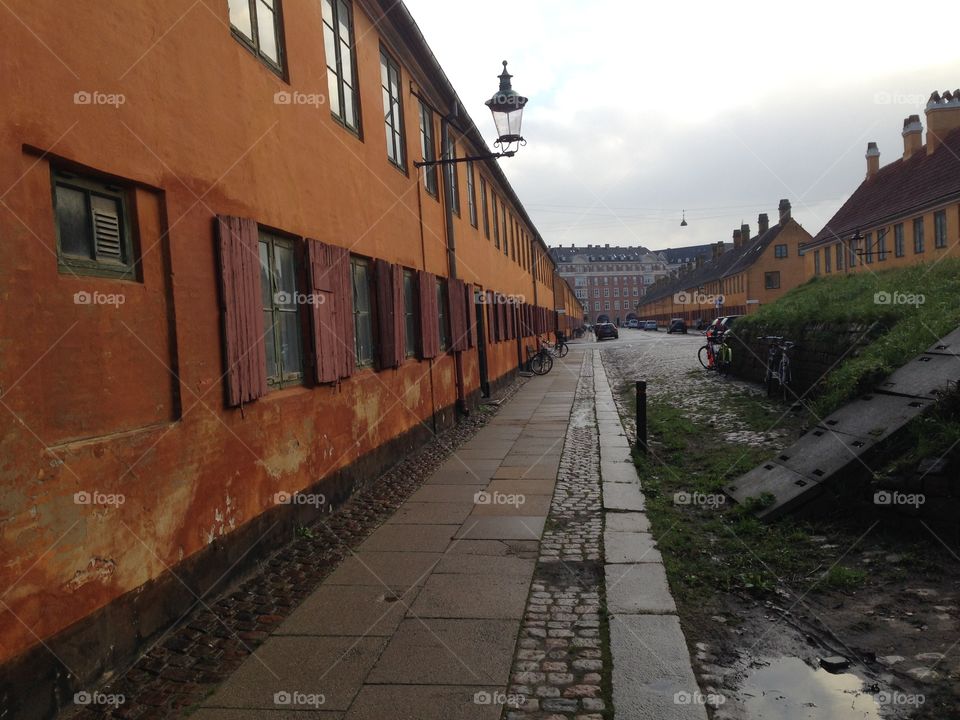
x=683 y=221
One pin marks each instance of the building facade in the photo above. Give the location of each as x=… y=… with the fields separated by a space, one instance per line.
x=755 y=272
x=232 y=286
x=609 y=281
x=905 y=212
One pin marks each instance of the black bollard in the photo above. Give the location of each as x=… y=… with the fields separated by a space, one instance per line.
x=642 y=416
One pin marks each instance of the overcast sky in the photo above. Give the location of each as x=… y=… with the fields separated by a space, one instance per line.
x=638 y=110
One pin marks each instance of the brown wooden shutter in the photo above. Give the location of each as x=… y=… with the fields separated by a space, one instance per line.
x=244 y=349
x=386 y=314
x=470 y=309
x=399 y=316
x=511 y=325
x=458 y=324
x=331 y=311
x=429 y=317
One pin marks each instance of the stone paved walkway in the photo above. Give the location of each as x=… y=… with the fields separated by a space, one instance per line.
x=421 y=621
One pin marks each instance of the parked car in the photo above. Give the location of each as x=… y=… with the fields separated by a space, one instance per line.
x=606 y=330
x=650 y=325
x=677 y=325
x=633 y=323
x=721 y=325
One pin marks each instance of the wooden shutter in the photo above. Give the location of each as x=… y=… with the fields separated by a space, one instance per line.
x=399 y=316
x=468 y=302
x=331 y=311
x=387 y=311
x=458 y=324
x=244 y=351
x=107 y=235
x=511 y=329
x=429 y=316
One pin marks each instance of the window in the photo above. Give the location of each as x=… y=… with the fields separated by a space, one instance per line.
x=616 y=292
x=606 y=292
x=256 y=23
x=93 y=227
x=362 y=311
x=428 y=149
x=636 y=292
x=616 y=305
x=341 y=68
x=940 y=229
x=281 y=315
x=506 y=237
x=918 y=236
x=898 y=250
x=606 y=304
x=826 y=260
x=442 y=314
x=816 y=263
x=471 y=196
x=596 y=306
x=869 y=241
x=392 y=113
x=450 y=175
x=771 y=280
x=409 y=314
x=596 y=292
x=486 y=210
x=496 y=223
x=882 y=244
x=780 y=251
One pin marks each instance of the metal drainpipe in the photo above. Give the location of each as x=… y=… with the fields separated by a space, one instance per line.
x=452 y=256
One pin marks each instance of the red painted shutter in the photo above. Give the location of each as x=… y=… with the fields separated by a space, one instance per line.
x=244 y=351
x=386 y=314
x=399 y=316
x=511 y=325
x=470 y=310
x=429 y=317
x=331 y=311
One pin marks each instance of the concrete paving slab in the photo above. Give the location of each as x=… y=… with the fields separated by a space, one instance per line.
x=619 y=472
x=385 y=569
x=448 y=652
x=949 y=344
x=407 y=538
x=615 y=454
x=526 y=459
x=432 y=513
x=524 y=486
x=471 y=596
x=424 y=702
x=626 y=522
x=622 y=496
x=821 y=453
x=300 y=665
x=493 y=452
x=512 y=505
x=350 y=610
x=486 y=563
x=502 y=528
x=527 y=549
x=630 y=547
x=638 y=588
x=650 y=666
x=533 y=472
x=446 y=493
x=875 y=416
x=789 y=488
x=927 y=376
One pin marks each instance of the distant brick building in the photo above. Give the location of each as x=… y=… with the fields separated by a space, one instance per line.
x=609 y=280
x=903 y=213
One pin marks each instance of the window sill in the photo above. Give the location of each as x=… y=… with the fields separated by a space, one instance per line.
x=279 y=71
x=285 y=393
x=342 y=123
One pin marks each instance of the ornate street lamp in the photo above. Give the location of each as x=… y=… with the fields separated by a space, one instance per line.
x=506 y=106
x=683 y=221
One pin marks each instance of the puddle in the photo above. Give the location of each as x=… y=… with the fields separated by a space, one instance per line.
x=789 y=689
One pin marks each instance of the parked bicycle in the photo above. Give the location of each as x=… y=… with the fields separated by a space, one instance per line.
x=558 y=349
x=778 y=373
x=539 y=362
x=716 y=354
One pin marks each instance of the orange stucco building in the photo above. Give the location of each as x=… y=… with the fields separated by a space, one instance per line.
x=756 y=271
x=225 y=280
x=905 y=212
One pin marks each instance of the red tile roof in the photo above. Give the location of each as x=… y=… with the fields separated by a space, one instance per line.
x=902 y=188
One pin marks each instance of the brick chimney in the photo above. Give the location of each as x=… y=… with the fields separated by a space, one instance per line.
x=763 y=223
x=784 y=210
x=943 y=116
x=737 y=239
x=713 y=249
x=744 y=233
x=719 y=248
x=873 y=159
x=912 y=136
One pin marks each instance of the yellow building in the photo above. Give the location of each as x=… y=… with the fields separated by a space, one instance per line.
x=905 y=212
x=756 y=271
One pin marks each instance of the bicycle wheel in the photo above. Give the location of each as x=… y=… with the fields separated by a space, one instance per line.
x=704 y=356
x=547 y=365
x=536 y=364
x=562 y=350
